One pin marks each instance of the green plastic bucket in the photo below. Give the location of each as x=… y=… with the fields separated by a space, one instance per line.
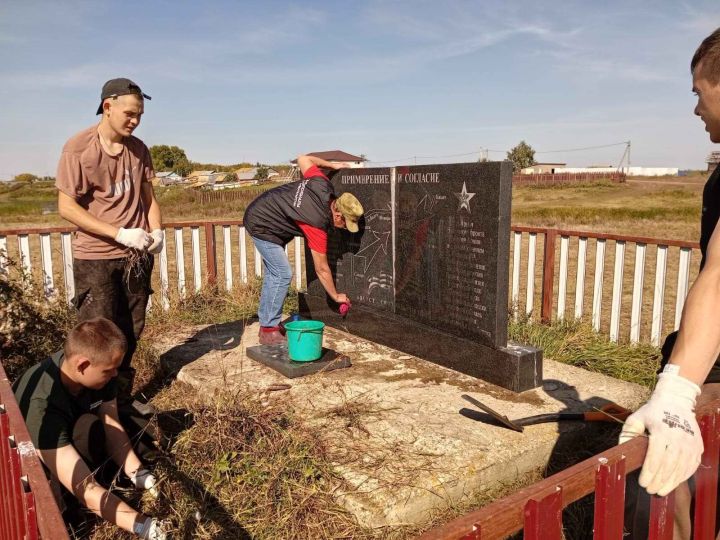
x=304 y=340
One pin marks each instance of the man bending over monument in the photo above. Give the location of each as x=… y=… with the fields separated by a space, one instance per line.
x=691 y=356
x=305 y=208
x=68 y=403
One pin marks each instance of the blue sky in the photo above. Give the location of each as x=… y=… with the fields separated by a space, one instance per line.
x=264 y=81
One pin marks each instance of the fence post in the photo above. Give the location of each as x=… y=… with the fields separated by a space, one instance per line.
x=706 y=479
x=548 y=281
x=543 y=517
x=662 y=510
x=210 y=252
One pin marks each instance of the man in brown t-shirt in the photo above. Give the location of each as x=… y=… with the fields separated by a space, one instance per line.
x=104 y=187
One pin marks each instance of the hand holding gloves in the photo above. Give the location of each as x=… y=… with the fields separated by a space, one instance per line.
x=140 y=240
x=134 y=238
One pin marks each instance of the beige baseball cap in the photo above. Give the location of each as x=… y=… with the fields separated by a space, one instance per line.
x=351 y=209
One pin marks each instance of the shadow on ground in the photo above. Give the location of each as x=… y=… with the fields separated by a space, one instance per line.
x=573 y=446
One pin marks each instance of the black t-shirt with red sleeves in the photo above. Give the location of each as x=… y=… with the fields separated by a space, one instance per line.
x=294 y=209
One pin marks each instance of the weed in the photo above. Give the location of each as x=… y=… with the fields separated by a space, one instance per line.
x=31 y=327
x=577 y=344
x=248 y=470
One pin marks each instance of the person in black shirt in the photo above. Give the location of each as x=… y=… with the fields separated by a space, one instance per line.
x=691 y=356
x=69 y=404
x=305 y=208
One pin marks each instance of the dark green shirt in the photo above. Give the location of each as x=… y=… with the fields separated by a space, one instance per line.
x=49 y=409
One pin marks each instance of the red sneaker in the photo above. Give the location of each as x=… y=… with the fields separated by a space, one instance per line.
x=270 y=335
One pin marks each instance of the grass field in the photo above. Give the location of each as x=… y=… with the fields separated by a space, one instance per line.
x=667 y=207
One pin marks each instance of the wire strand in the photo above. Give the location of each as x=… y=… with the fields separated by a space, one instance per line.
x=483 y=150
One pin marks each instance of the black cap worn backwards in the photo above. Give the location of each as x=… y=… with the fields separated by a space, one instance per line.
x=119 y=87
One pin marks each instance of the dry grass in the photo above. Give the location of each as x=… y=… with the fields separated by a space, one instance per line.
x=665 y=208
x=31 y=328
x=575 y=343
x=244 y=468
x=252 y=471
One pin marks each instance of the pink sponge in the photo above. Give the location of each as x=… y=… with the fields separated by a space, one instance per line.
x=344 y=308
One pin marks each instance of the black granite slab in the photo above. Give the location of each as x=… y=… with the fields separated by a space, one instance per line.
x=362 y=263
x=428 y=271
x=452 y=248
x=276 y=357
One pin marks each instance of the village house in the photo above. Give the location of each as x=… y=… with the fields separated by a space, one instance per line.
x=542 y=168
x=250 y=173
x=338 y=157
x=167 y=179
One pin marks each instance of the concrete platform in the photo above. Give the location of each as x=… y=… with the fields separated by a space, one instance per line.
x=392 y=421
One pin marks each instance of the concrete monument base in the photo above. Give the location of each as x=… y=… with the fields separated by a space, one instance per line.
x=515 y=367
x=391 y=423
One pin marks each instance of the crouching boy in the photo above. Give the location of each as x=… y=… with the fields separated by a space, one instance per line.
x=70 y=408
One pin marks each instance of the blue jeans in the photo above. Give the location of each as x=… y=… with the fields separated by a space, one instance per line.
x=276 y=281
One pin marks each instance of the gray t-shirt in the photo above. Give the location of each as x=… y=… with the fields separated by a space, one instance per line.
x=49 y=409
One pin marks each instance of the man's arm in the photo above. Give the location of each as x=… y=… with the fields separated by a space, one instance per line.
x=133 y=238
x=305 y=162
x=151 y=205
x=70 y=210
x=68 y=467
x=322 y=269
x=116 y=439
x=698 y=341
x=675 y=445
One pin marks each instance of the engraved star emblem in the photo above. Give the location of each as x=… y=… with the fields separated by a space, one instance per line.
x=464 y=198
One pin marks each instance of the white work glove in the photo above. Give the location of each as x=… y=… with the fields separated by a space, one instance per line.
x=151 y=529
x=134 y=238
x=158 y=239
x=674 y=444
x=144 y=479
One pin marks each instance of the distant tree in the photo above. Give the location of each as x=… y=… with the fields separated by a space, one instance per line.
x=230 y=177
x=521 y=156
x=262 y=173
x=26 y=178
x=170 y=158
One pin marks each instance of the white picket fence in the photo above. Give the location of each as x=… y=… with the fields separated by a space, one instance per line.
x=644 y=302
x=172 y=263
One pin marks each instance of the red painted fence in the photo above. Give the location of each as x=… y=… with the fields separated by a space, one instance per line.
x=537 y=509
x=27 y=507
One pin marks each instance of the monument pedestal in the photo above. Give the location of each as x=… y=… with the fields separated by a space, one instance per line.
x=515 y=367
x=276 y=357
